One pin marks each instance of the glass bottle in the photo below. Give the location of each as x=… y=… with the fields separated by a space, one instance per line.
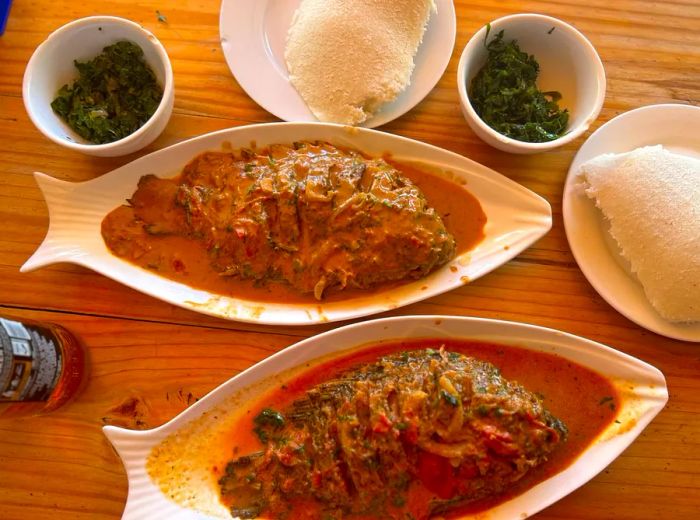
x=42 y=366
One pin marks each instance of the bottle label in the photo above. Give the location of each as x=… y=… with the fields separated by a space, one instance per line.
x=30 y=362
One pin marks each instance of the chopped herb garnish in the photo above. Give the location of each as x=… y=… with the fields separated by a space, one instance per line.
x=270 y=417
x=267 y=419
x=399 y=501
x=605 y=399
x=281 y=441
x=482 y=410
x=449 y=398
x=161 y=17
x=505 y=95
x=115 y=94
x=262 y=434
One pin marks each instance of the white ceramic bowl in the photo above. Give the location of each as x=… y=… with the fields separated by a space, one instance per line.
x=568 y=64
x=51 y=66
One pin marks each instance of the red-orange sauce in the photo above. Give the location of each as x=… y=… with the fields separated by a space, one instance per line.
x=189 y=261
x=582 y=398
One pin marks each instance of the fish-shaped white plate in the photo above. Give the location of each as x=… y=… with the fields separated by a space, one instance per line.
x=516 y=217
x=192 y=437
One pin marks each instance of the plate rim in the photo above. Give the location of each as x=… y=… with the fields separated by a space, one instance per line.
x=654 y=323
x=387 y=113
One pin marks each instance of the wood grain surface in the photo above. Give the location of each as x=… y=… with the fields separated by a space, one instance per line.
x=149 y=360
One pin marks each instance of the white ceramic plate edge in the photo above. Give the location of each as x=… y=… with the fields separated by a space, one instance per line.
x=675 y=126
x=516 y=218
x=642 y=381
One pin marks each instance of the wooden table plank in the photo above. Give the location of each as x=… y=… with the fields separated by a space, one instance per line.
x=152 y=358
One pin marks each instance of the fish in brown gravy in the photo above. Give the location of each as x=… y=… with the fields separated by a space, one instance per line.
x=312 y=216
x=353 y=446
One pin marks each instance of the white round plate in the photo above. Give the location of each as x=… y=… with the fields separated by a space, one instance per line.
x=677 y=128
x=253 y=36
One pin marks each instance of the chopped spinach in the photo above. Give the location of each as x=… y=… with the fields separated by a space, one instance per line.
x=504 y=94
x=115 y=94
x=268 y=419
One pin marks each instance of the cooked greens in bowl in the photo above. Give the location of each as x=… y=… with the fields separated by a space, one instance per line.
x=115 y=93
x=505 y=95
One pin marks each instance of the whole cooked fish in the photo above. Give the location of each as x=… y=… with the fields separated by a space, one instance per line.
x=312 y=215
x=356 y=445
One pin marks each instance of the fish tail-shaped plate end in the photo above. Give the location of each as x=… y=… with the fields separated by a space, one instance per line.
x=145 y=500
x=61 y=243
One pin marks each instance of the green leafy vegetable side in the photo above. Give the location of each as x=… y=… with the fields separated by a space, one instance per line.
x=504 y=94
x=114 y=96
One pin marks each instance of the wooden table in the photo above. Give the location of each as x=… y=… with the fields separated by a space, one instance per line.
x=149 y=360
